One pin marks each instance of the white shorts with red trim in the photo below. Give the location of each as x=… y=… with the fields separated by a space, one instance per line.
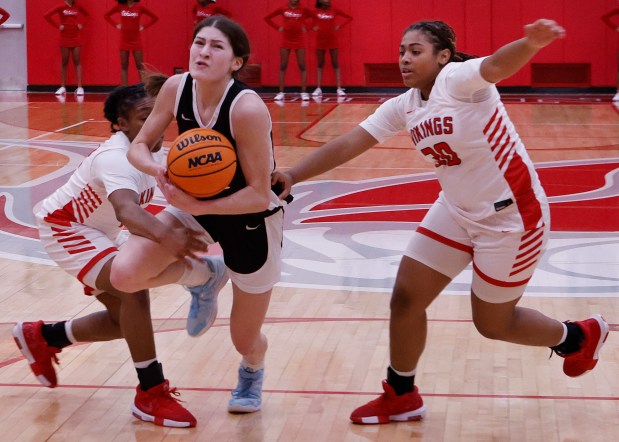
x=503 y=262
x=79 y=250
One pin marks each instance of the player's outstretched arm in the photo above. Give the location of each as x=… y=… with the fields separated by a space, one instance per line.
x=332 y=154
x=512 y=57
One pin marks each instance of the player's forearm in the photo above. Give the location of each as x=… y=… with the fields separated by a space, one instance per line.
x=507 y=60
x=142 y=223
x=140 y=157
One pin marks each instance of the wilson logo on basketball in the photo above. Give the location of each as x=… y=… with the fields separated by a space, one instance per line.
x=196 y=138
x=203 y=160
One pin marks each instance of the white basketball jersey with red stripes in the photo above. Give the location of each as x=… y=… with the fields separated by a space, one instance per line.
x=481 y=163
x=84 y=198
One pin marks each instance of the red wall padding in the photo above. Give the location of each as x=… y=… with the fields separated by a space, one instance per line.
x=373 y=36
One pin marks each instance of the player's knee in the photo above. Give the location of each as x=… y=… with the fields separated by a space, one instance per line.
x=489 y=330
x=302 y=67
x=122 y=279
x=283 y=66
x=403 y=302
x=335 y=65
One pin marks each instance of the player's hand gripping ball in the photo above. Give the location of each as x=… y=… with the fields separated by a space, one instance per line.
x=202 y=162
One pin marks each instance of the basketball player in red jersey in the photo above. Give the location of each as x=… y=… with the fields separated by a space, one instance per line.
x=130 y=26
x=4 y=15
x=326 y=25
x=69 y=19
x=206 y=8
x=293 y=28
x=608 y=18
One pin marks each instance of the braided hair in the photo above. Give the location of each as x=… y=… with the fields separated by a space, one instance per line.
x=120 y=101
x=442 y=37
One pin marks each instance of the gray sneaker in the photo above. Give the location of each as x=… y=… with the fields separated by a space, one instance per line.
x=203 y=308
x=247 y=396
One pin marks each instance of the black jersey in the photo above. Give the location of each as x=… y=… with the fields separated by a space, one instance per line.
x=188 y=119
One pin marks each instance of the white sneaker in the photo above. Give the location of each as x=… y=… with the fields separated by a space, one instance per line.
x=280 y=96
x=317 y=92
x=79 y=91
x=340 y=92
x=616 y=97
x=61 y=90
x=304 y=96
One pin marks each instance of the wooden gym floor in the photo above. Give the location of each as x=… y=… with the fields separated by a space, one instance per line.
x=328 y=320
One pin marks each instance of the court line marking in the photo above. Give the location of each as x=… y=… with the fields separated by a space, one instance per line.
x=333 y=392
x=48 y=133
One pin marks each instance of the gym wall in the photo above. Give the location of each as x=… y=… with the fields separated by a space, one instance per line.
x=371 y=39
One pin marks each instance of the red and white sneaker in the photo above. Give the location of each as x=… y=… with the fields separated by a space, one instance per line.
x=595 y=330
x=158 y=406
x=390 y=407
x=33 y=346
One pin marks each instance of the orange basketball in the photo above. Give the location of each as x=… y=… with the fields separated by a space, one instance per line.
x=202 y=162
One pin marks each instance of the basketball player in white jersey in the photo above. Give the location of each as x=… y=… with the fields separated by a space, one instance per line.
x=79 y=226
x=492 y=211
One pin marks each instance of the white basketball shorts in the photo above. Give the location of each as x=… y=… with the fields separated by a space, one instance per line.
x=503 y=262
x=79 y=250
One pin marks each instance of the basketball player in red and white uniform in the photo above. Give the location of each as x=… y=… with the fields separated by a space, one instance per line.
x=327 y=21
x=293 y=23
x=4 y=15
x=611 y=18
x=492 y=211
x=205 y=9
x=69 y=19
x=131 y=26
x=79 y=227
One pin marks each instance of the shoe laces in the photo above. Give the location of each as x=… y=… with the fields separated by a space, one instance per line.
x=245 y=386
x=168 y=393
x=52 y=352
x=383 y=397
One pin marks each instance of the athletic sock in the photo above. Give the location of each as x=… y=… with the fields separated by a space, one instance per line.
x=199 y=273
x=572 y=340
x=151 y=375
x=56 y=335
x=252 y=368
x=401 y=384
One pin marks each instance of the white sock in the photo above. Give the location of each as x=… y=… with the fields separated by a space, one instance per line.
x=144 y=364
x=197 y=274
x=404 y=373
x=564 y=337
x=252 y=367
x=69 y=332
